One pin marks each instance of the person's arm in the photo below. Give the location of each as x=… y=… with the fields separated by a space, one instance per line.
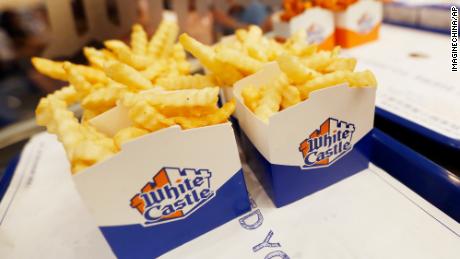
x=225 y=20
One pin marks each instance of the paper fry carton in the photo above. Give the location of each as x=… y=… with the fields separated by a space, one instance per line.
x=358 y=24
x=309 y=146
x=165 y=188
x=317 y=22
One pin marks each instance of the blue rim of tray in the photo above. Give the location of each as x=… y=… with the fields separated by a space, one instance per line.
x=423 y=131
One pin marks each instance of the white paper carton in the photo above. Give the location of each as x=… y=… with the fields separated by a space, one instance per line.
x=317 y=22
x=359 y=23
x=310 y=145
x=165 y=188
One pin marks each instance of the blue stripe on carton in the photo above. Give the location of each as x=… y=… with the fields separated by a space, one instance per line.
x=286 y=184
x=136 y=241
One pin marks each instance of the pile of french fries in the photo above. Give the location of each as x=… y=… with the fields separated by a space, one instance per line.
x=150 y=78
x=305 y=69
x=292 y=8
x=334 y=5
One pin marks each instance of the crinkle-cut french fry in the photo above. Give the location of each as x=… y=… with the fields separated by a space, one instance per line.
x=138 y=40
x=67 y=93
x=92 y=134
x=56 y=70
x=354 y=79
x=318 y=61
x=362 y=79
x=274 y=50
x=128 y=76
x=154 y=70
x=271 y=100
x=255 y=51
x=88 y=115
x=50 y=68
x=168 y=47
x=129 y=99
x=242 y=62
x=78 y=166
x=161 y=43
x=297 y=42
x=185 y=82
x=90 y=152
x=205 y=97
x=181 y=67
x=241 y=34
x=203 y=53
x=251 y=96
x=186 y=111
x=127 y=134
x=116 y=45
x=290 y=97
x=91 y=74
x=78 y=81
x=254 y=34
x=296 y=72
x=307 y=50
x=148 y=117
x=42 y=114
x=64 y=124
x=230 y=43
x=219 y=116
x=102 y=99
x=326 y=80
x=225 y=74
x=126 y=56
x=97 y=58
x=346 y=64
x=179 y=53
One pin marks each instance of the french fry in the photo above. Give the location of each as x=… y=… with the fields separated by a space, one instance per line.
x=148 y=117
x=318 y=61
x=128 y=76
x=50 y=68
x=251 y=96
x=97 y=58
x=102 y=99
x=205 y=97
x=271 y=101
x=295 y=70
x=138 y=40
x=68 y=94
x=220 y=116
x=345 y=64
x=161 y=42
x=203 y=53
x=185 y=82
x=127 y=134
x=224 y=74
x=154 y=70
x=126 y=56
x=290 y=97
x=354 y=79
x=245 y=64
x=78 y=81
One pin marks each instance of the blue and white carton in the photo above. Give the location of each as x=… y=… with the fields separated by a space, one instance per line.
x=308 y=146
x=165 y=189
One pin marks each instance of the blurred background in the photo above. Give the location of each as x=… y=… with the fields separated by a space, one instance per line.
x=58 y=29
